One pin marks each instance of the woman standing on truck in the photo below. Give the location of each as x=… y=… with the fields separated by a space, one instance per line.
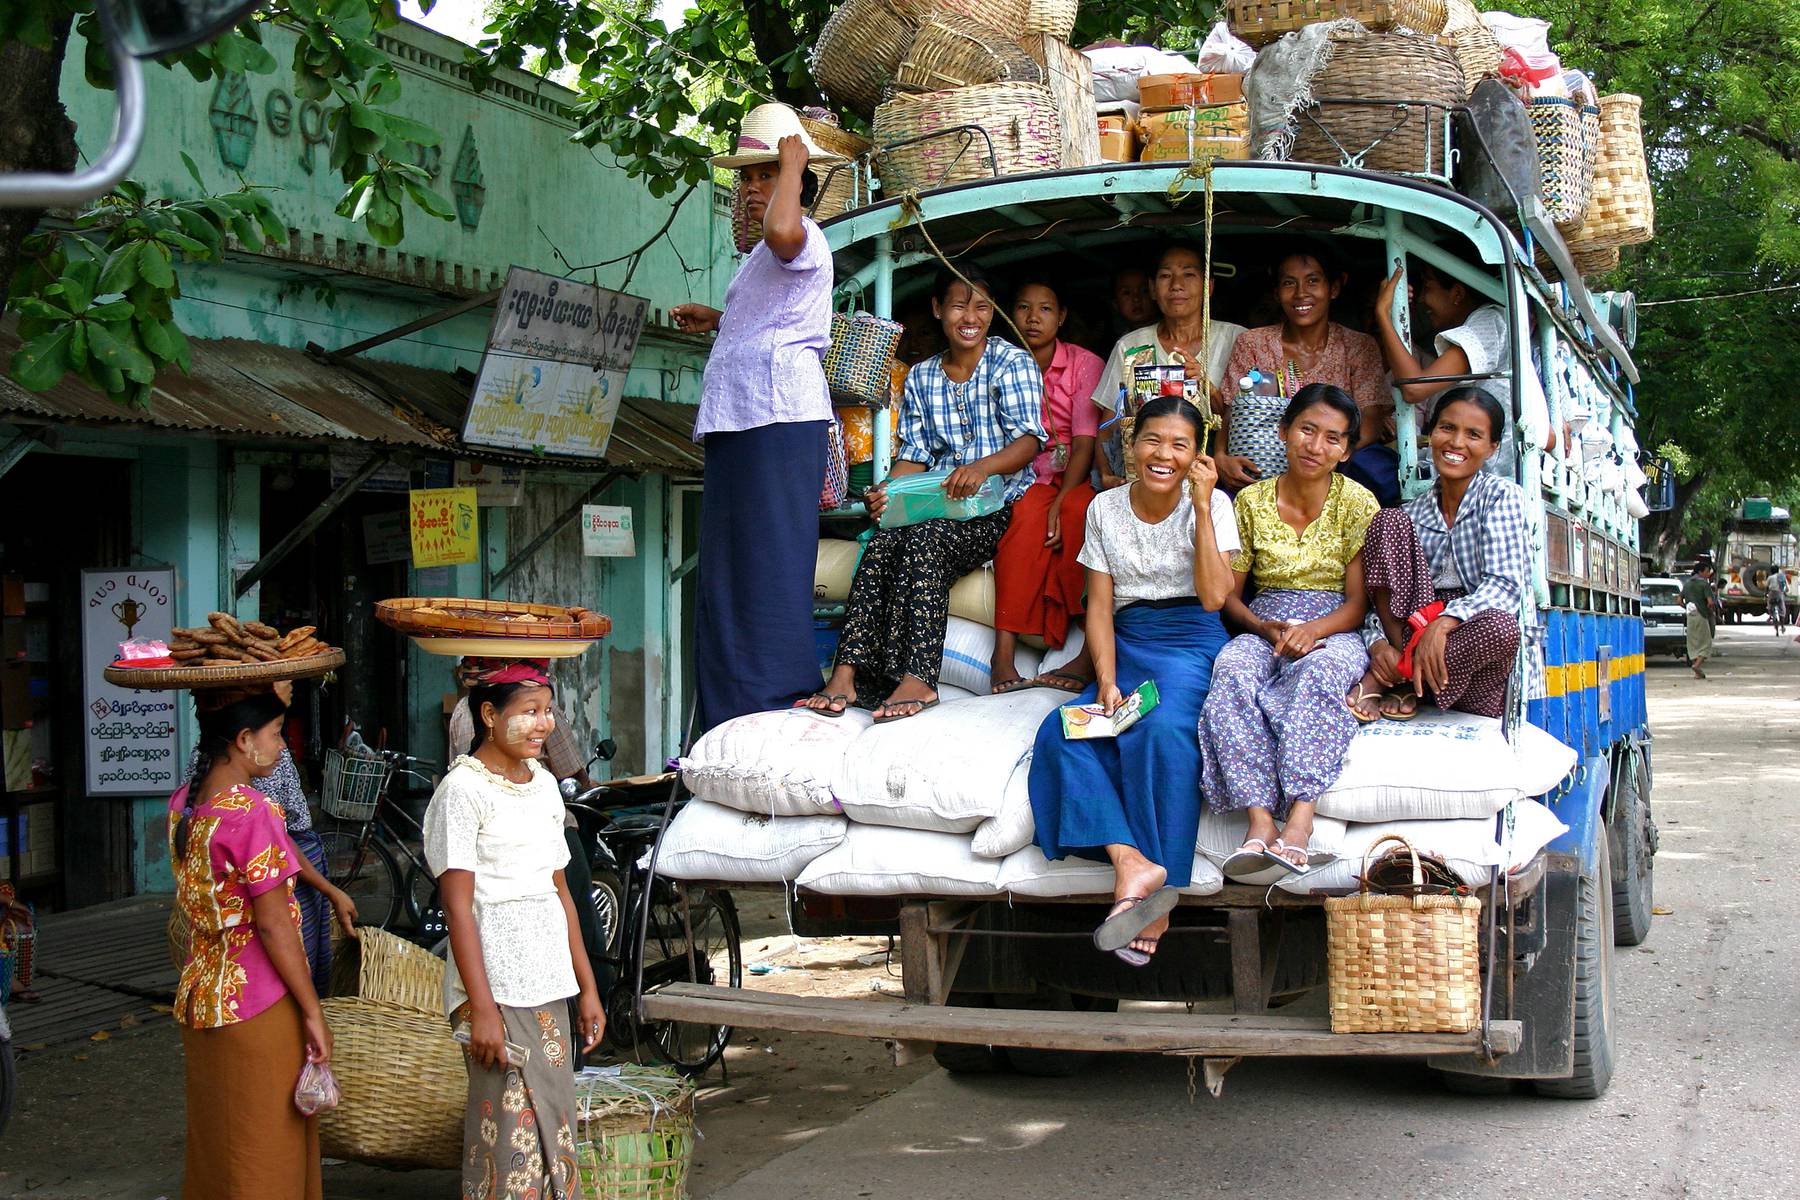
x=975 y=410
x=1274 y=729
x=1446 y=574
x=1158 y=570
x=494 y=838
x=1038 y=576
x=764 y=413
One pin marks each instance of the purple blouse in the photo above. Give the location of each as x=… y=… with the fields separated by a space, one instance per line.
x=767 y=366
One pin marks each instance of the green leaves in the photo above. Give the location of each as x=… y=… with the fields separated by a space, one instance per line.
x=40 y=363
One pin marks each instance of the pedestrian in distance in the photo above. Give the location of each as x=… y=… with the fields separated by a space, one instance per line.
x=1697 y=594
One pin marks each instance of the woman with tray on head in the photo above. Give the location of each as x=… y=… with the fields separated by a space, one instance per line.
x=764 y=416
x=1157 y=554
x=249 y=1012
x=975 y=410
x=494 y=838
x=1274 y=729
x=1446 y=575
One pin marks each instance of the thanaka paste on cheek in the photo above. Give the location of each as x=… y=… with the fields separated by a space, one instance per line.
x=518 y=729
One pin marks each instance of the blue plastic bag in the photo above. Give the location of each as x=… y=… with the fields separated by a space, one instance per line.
x=920 y=497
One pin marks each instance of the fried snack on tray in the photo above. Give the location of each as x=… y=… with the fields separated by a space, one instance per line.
x=294 y=637
x=261 y=632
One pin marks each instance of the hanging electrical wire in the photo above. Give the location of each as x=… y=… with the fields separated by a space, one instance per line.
x=1781 y=287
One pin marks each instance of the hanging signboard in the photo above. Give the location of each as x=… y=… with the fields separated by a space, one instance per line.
x=129 y=735
x=442 y=522
x=606 y=531
x=496 y=486
x=554 y=372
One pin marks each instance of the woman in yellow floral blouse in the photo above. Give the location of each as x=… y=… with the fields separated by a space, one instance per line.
x=246 y=1004
x=1275 y=727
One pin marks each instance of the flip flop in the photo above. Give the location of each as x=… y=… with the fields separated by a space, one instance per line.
x=1011 y=685
x=919 y=706
x=1406 y=696
x=1044 y=681
x=1362 y=694
x=1120 y=928
x=1243 y=863
x=1133 y=957
x=1277 y=854
x=829 y=698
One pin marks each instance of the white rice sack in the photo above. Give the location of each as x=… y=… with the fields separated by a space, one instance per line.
x=945 y=769
x=710 y=841
x=1471 y=846
x=1222 y=833
x=972 y=598
x=1117 y=68
x=835 y=568
x=776 y=764
x=1012 y=828
x=873 y=861
x=969 y=657
x=949 y=691
x=1441 y=766
x=1029 y=873
x=1060 y=657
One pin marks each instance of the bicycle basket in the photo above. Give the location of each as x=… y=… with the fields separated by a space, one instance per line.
x=353 y=785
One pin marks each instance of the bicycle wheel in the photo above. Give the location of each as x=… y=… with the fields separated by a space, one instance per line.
x=605 y=893
x=423 y=908
x=712 y=954
x=367 y=873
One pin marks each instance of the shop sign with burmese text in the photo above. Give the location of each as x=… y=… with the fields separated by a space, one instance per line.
x=555 y=367
x=129 y=735
x=443 y=523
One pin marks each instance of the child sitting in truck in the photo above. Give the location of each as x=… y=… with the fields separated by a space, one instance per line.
x=1157 y=572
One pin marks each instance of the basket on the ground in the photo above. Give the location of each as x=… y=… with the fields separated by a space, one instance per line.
x=1622 y=211
x=935 y=139
x=1382 y=103
x=954 y=51
x=352 y=785
x=403 y=1085
x=377 y=965
x=634 y=1137
x=1260 y=22
x=840 y=188
x=1403 y=964
x=858 y=51
x=1477 y=49
x=1565 y=165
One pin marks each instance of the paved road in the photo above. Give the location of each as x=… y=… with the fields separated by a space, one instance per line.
x=1704 y=1103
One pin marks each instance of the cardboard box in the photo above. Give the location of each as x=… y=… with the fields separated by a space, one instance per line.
x=1118 y=145
x=1180 y=91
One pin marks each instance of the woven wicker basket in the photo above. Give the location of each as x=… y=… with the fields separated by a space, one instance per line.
x=166 y=679
x=634 y=1137
x=858 y=51
x=1403 y=964
x=995 y=14
x=1588 y=262
x=1019 y=120
x=376 y=965
x=440 y=616
x=1376 y=74
x=1622 y=210
x=954 y=51
x=1054 y=17
x=1476 y=47
x=1564 y=164
x=839 y=191
x=403 y=1083
x=1260 y=22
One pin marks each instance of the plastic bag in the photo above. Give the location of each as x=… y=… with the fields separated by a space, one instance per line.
x=317 y=1089
x=1224 y=52
x=915 y=498
x=1117 y=69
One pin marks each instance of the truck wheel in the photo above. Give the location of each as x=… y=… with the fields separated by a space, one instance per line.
x=1054 y=1064
x=1633 y=860
x=959 y=1059
x=1593 y=989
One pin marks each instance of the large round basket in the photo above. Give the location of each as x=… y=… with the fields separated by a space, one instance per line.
x=1382 y=100
x=376 y=965
x=954 y=51
x=1621 y=211
x=403 y=1084
x=635 y=1133
x=966 y=134
x=859 y=50
x=425 y=617
x=309 y=666
x=995 y=14
x=1476 y=47
x=1260 y=22
x=839 y=190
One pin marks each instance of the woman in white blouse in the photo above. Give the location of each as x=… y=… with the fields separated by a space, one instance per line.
x=494 y=839
x=1158 y=556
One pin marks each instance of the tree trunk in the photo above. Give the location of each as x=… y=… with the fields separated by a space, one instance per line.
x=773 y=34
x=35 y=132
x=1667 y=525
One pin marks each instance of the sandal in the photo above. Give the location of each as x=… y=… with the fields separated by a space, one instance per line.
x=1012 y=685
x=1355 y=704
x=1281 y=852
x=1246 y=860
x=829 y=698
x=1406 y=697
x=1131 y=956
x=1073 y=684
x=890 y=707
x=1123 y=925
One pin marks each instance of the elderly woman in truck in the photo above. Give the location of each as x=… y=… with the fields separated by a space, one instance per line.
x=1158 y=572
x=1274 y=729
x=1446 y=575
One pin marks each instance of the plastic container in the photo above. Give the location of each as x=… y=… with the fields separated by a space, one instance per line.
x=915 y=498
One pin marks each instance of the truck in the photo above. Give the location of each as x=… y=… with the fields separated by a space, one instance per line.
x=1007 y=982
x=1759 y=537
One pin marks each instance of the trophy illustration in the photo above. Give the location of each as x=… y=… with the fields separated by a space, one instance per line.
x=129 y=612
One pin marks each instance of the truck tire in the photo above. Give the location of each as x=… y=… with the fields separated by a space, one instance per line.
x=1633 y=857
x=1593 y=988
x=1053 y=1064
x=959 y=1059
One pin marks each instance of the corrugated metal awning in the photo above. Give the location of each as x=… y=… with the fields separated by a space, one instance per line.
x=254 y=391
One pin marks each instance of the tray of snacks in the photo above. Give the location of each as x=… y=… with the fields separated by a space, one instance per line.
x=226 y=652
x=426 y=618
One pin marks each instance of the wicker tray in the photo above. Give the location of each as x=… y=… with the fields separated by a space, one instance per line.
x=457 y=618
x=163 y=679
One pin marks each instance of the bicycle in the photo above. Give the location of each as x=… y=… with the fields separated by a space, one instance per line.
x=365 y=862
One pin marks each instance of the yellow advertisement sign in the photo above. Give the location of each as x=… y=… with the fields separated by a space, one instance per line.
x=443 y=526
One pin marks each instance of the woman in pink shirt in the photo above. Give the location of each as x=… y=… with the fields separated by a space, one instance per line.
x=1037 y=581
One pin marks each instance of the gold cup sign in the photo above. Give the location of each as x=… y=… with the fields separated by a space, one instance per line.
x=129 y=612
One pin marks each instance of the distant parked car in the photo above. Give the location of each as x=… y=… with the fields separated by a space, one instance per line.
x=1665 y=618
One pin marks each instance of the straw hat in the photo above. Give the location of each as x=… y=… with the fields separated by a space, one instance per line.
x=764 y=127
